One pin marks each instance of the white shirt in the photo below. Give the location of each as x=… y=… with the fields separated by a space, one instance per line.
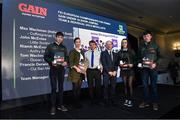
x=97 y=55
x=81 y=56
x=109 y=51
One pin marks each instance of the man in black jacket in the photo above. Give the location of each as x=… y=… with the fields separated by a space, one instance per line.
x=148 y=57
x=56 y=56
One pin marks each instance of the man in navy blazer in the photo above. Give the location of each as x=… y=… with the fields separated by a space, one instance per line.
x=110 y=66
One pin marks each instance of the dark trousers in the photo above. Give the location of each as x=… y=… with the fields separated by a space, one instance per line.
x=152 y=74
x=106 y=80
x=94 y=75
x=57 y=77
x=174 y=76
x=76 y=91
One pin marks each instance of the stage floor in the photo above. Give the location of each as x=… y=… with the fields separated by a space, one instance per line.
x=169 y=103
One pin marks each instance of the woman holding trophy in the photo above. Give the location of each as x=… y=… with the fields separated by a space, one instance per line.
x=78 y=66
x=126 y=63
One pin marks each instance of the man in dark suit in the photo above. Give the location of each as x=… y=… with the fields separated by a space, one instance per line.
x=109 y=63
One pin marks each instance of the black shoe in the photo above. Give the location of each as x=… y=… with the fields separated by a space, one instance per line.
x=130 y=104
x=62 y=108
x=143 y=105
x=155 y=106
x=126 y=102
x=53 y=111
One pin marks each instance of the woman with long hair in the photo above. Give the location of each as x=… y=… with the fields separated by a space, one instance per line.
x=126 y=63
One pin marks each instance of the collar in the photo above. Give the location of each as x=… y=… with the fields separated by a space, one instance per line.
x=125 y=49
x=57 y=43
x=109 y=51
x=93 y=50
x=147 y=43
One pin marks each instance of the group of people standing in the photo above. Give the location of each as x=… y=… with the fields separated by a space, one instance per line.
x=94 y=63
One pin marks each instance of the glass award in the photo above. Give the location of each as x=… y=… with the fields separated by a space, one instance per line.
x=149 y=58
x=147 y=62
x=59 y=58
x=124 y=62
x=83 y=66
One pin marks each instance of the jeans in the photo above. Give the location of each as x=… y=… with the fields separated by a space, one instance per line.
x=152 y=74
x=57 y=77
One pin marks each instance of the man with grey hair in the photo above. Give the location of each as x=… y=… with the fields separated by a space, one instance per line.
x=109 y=63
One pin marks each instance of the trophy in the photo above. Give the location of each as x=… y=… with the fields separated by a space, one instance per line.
x=83 y=66
x=147 y=62
x=58 y=58
x=124 y=63
x=148 y=59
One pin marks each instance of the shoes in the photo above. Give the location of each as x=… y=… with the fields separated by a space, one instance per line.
x=53 y=111
x=143 y=105
x=126 y=102
x=155 y=106
x=62 y=108
x=130 y=104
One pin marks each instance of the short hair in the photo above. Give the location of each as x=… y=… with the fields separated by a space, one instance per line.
x=147 y=32
x=59 y=34
x=109 y=41
x=92 y=41
x=76 y=39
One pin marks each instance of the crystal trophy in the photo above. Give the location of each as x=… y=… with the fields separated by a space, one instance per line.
x=82 y=66
x=147 y=62
x=58 y=58
x=124 y=63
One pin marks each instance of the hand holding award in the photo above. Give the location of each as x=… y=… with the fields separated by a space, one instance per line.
x=123 y=65
x=58 y=59
x=147 y=62
x=83 y=66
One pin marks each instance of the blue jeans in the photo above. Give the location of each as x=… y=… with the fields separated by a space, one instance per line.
x=152 y=74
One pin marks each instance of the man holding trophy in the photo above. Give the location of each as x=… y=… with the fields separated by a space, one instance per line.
x=56 y=56
x=148 y=60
